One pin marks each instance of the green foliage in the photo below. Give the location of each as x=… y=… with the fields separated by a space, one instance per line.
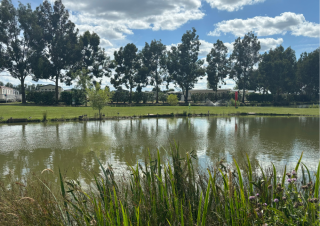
x=232 y=102
x=260 y=97
x=98 y=97
x=79 y=97
x=58 y=44
x=308 y=73
x=168 y=193
x=120 y=96
x=154 y=58
x=128 y=69
x=245 y=55
x=45 y=98
x=162 y=97
x=278 y=70
x=183 y=64
x=172 y=99
x=218 y=65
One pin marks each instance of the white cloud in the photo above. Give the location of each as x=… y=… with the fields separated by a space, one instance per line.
x=264 y=26
x=231 y=5
x=269 y=43
x=113 y=20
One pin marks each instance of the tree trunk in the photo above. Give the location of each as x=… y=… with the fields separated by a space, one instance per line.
x=57 y=89
x=186 y=100
x=130 y=96
x=23 y=91
x=243 y=93
x=157 y=87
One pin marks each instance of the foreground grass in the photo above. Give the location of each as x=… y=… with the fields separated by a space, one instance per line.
x=171 y=193
x=36 y=112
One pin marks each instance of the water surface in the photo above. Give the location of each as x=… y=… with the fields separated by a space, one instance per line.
x=70 y=145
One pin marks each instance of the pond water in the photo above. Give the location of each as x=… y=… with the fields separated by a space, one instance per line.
x=71 y=145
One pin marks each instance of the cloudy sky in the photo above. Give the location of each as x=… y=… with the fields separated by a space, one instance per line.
x=292 y=23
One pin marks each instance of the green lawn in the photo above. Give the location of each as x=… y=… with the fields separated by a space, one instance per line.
x=36 y=112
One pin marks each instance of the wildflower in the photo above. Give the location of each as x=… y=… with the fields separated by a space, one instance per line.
x=315 y=200
x=294 y=180
x=252 y=198
x=265 y=204
x=288 y=174
x=257 y=194
x=284 y=198
x=305 y=187
x=294 y=173
x=270 y=186
x=289 y=180
x=276 y=200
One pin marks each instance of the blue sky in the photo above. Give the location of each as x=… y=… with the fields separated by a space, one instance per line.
x=292 y=23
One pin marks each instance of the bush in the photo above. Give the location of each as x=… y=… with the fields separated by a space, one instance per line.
x=77 y=95
x=120 y=96
x=46 y=98
x=162 y=97
x=232 y=102
x=172 y=99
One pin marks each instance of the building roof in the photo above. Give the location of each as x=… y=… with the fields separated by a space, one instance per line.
x=48 y=85
x=4 y=87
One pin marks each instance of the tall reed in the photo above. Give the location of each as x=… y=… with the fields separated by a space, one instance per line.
x=175 y=193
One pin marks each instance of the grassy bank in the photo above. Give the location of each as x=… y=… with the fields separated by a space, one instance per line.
x=171 y=193
x=36 y=112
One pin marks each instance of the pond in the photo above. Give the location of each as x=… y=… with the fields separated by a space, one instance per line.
x=72 y=145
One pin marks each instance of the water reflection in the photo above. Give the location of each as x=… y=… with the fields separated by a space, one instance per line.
x=34 y=147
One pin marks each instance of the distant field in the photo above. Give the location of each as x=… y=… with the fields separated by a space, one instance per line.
x=36 y=112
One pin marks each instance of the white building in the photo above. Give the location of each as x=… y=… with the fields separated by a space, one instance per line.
x=50 y=88
x=9 y=94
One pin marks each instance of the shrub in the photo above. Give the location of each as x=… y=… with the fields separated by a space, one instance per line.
x=46 y=98
x=162 y=97
x=172 y=99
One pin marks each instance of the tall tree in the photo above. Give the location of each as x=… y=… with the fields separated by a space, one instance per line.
x=127 y=66
x=183 y=64
x=17 y=56
x=93 y=59
x=308 y=73
x=59 y=45
x=154 y=57
x=244 y=56
x=218 y=65
x=278 y=67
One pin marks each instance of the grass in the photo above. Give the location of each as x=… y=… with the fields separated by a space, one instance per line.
x=36 y=112
x=170 y=193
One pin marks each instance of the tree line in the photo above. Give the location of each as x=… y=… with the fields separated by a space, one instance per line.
x=44 y=44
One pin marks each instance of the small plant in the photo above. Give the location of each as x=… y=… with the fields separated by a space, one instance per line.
x=44 y=116
x=172 y=100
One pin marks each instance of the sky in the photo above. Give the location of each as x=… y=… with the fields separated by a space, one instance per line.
x=290 y=23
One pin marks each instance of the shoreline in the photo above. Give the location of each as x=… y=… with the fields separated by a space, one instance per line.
x=83 y=119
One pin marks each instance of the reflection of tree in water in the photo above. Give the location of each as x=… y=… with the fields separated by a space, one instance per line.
x=68 y=145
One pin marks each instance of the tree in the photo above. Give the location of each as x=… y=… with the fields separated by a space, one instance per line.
x=127 y=67
x=172 y=100
x=183 y=64
x=17 y=56
x=59 y=44
x=154 y=58
x=218 y=65
x=278 y=67
x=10 y=85
x=1 y=83
x=308 y=73
x=98 y=97
x=83 y=80
x=244 y=56
x=93 y=58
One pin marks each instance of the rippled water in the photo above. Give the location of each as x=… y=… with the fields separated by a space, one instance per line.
x=34 y=147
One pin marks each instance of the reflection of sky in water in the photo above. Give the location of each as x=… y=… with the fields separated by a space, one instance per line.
x=67 y=145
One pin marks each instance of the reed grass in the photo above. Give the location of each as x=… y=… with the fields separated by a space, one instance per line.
x=170 y=193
